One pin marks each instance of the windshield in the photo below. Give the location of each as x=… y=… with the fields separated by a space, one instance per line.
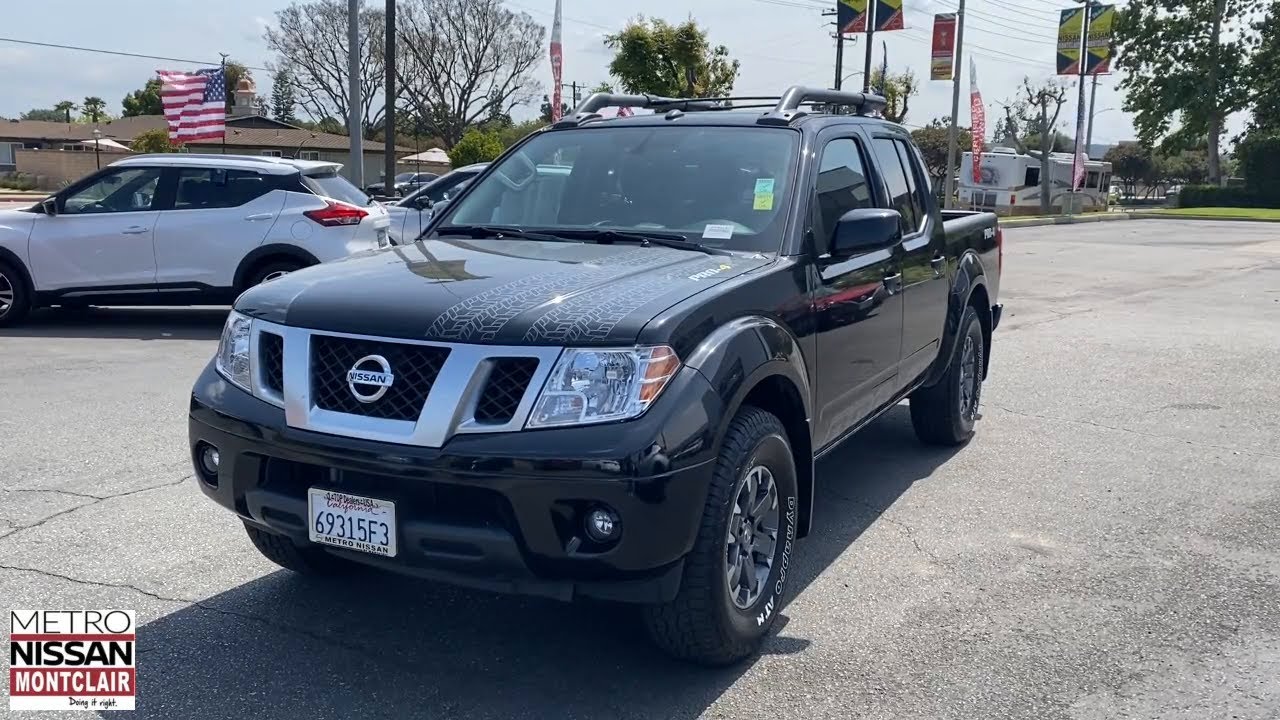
x=333 y=185
x=721 y=186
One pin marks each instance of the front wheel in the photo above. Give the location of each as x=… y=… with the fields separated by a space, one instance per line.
x=945 y=413
x=735 y=578
x=14 y=299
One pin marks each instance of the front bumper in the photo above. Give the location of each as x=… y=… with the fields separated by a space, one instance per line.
x=500 y=511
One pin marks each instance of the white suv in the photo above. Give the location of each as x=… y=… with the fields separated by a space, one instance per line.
x=179 y=229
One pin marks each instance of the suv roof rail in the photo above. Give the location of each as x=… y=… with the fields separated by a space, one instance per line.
x=786 y=107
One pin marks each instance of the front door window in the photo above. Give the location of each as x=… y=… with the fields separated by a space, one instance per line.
x=123 y=190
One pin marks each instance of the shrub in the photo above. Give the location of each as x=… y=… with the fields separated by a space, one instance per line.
x=18 y=181
x=476 y=146
x=1260 y=165
x=1192 y=196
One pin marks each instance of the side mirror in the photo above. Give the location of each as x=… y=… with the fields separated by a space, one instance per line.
x=50 y=206
x=864 y=230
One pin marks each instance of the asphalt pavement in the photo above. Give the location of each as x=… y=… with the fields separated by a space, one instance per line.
x=1107 y=547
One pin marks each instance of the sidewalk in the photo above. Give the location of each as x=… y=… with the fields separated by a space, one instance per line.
x=1133 y=215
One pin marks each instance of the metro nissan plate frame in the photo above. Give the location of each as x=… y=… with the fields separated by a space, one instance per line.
x=351 y=522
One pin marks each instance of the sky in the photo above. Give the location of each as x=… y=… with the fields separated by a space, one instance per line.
x=779 y=43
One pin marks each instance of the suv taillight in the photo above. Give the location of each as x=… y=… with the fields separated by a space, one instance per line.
x=1000 y=250
x=336 y=214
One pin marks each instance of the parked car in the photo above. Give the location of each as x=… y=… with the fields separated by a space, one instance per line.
x=404 y=184
x=611 y=382
x=179 y=229
x=409 y=215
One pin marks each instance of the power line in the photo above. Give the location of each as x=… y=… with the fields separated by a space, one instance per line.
x=1029 y=13
x=118 y=53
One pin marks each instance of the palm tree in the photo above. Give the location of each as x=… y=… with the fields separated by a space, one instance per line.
x=65 y=107
x=93 y=107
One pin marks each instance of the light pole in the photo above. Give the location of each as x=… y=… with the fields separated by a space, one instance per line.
x=97 y=138
x=1088 y=143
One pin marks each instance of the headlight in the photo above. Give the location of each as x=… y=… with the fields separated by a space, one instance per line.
x=233 y=350
x=593 y=386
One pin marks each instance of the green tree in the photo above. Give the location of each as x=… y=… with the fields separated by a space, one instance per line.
x=898 y=92
x=1264 y=69
x=284 y=102
x=932 y=141
x=1034 y=112
x=1059 y=142
x=1185 y=69
x=545 y=109
x=476 y=146
x=94 y=109
x=152 y=141
x=659 y=58
x=65 y=107
x=43 y=114
x=1131 y=163
x=145 y=101
x=515 y=133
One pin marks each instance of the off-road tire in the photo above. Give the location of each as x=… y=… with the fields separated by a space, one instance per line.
x=18 y=307
x=702 y=624
x=266 y=270
x=936 y=414
x=303 y=560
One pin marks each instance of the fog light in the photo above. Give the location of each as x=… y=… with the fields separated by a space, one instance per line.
x=602 y=525
x=209 y=459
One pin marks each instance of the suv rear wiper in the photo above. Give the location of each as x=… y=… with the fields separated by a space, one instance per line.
x=496 y=231
x=671 y=240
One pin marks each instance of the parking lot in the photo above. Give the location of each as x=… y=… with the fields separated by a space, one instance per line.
x=1107 y=547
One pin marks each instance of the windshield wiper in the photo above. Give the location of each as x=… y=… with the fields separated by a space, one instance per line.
x=496 y=231
x=671 y=240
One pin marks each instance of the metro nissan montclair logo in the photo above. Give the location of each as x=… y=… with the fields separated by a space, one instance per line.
x=72 y=660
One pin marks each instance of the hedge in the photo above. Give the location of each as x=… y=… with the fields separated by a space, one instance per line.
x=1192 y=196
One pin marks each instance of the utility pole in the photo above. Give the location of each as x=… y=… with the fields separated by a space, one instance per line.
x=389 y=114
x=953 y=133
x=1080 y=118
x=354 y=124
x=1093 y=109
x=871 y=33
x=839 y=36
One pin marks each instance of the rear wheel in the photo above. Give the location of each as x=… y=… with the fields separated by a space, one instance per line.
x=735 y=578
x=15 y=300
x=945 y=413
x=303 y=560
x=272 y=270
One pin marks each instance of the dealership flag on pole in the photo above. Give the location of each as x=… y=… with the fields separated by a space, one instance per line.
x=195 y=104
x=978 y=118
x=557 y=65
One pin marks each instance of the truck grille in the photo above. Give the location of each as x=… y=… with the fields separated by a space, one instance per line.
x=504 y=390
x=414 y=368
x=271 y=355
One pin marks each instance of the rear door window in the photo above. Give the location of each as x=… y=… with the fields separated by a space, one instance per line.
x=206 y=188
x=895 y=180
x=912 y=167
x=333 y=185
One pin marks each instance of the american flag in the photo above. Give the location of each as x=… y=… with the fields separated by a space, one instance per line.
x=557 y=65
x=195 y=104
x=978 y=120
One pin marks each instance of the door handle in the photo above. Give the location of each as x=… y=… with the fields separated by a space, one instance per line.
x=939 y=264
x=135 y=230
x=893 y=283
x=260 y=216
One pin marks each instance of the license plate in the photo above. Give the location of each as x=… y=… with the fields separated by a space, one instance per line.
x=351 y=522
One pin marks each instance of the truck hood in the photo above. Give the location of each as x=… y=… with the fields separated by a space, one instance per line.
x=495 y=291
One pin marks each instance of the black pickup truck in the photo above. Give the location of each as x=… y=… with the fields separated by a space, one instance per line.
x=607 y=368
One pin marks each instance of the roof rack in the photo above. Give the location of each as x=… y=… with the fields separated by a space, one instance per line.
x=786 y=108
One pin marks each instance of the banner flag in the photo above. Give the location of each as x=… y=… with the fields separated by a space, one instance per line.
x=557 y=66
x=889 y=15
x=977 y=121
x=851 y=16
x=942 y=62
x=1101 y=24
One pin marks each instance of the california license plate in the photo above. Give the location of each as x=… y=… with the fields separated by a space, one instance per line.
x=351 y=522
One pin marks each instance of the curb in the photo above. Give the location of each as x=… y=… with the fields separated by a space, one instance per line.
x=1114 y=217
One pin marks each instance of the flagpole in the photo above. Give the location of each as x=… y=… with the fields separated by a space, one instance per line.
x=224 y=100
x=953 y=133
x=871 y=33
x=355 y=131
x=1077 y=161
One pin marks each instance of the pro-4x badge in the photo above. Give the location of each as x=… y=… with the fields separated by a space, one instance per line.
x=710 y=272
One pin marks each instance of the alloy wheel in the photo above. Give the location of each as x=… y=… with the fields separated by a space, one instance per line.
x=970 y=385
x=752 y=538
x=7 y=294
x=274 y=275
